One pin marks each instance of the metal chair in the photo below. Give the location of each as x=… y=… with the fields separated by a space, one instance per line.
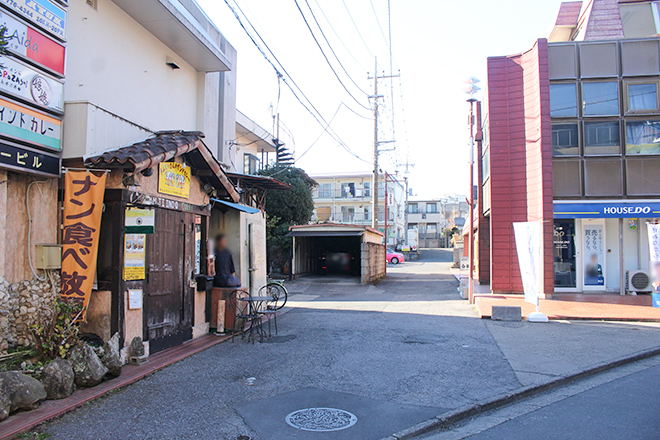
x=246 y=314
x=271 y=307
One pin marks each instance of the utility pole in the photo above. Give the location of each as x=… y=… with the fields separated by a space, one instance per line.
x=375 y=178
x=374 y=198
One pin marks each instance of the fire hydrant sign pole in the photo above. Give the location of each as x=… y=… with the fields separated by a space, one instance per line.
x=530 y=258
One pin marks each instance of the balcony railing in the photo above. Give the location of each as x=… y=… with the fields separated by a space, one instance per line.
x=342 y=194
x=359 y=218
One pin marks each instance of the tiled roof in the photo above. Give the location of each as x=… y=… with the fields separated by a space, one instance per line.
x=569 y=13
x=160 y=148
x=164 y=146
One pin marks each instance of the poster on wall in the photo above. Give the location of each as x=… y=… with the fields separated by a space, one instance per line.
x=594 y=255
x=134 y=257
x=654 y=253
x=529 y=248
x=174 y=179
x=139 y=221
x=83 y=206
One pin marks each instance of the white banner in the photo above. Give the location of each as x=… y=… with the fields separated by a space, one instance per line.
x=654 y=253
x=529 y=247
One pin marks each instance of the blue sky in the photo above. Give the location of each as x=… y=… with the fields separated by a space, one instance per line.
x=437 y=44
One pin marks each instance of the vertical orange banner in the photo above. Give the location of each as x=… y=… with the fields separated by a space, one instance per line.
x=83 y=206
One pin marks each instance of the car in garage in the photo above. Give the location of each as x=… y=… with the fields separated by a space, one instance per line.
x=395 y=257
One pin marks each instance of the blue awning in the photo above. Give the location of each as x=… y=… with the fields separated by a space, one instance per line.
x=237 y=206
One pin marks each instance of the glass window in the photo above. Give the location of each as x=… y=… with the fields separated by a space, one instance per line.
x=485 y=164
x=602 y=138
x=563 y=100
x=643 y=137
x=431 y=208
x=643 y=96
x=637 y=20
x=413 y=208
x=565 y=140
x=600 y=98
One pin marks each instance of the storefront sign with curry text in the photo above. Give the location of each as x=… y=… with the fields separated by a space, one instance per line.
x=26 y=83
x=83 y=206
x=174 y=179
x=139 y=221
x=24 y=124
x=28 y=43
x=28 y=160
x=43 y=13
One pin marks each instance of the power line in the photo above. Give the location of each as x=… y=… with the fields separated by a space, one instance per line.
x=357 y=29
x=318 y=118
x=331 y=49
x=379 y=26
x=338 y=37
x=328 y=61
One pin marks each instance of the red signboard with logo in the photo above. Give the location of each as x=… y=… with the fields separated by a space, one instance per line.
x=31 y=44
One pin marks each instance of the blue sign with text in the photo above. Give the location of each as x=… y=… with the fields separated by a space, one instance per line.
x=630 y=209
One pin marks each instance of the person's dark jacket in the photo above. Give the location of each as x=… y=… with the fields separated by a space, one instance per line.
x=224 y=268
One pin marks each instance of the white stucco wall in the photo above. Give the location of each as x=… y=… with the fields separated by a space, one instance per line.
x=115 y=63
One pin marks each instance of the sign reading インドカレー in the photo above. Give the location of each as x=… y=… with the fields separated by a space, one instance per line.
x=43 y=13
x=174 y=179
x=28 y=125
x=83 y=206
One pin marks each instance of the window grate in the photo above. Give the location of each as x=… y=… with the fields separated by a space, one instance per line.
x=92 y=4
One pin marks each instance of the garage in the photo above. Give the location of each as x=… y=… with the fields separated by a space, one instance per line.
x=336 y=250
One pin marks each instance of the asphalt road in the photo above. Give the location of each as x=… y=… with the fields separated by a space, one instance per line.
x=625 y=409
x=621 y=404
x=394 y=355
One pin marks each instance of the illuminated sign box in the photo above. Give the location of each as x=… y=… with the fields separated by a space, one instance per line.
x=32 y=45
x=28 y=84
x=27 y=125
x=29 y=160
x=43 y=13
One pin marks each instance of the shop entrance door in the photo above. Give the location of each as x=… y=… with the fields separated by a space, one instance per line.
x=593 y=256
x=565 y=254
x=168 y=295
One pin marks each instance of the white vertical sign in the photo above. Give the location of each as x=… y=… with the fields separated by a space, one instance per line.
x=654 y=253
x=528 y=245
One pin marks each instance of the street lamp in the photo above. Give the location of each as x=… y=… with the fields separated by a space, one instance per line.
x=471 y=90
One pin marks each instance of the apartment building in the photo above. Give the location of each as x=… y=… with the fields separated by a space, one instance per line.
x=569 y=137
x=347 y=199
x=431 y=218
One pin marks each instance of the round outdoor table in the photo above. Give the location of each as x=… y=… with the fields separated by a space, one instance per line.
x=255 y=305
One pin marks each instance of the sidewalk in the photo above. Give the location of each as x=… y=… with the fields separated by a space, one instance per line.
x=606 y=307
x=24 y=421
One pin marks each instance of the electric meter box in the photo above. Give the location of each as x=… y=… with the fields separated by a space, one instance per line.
x=49 y=256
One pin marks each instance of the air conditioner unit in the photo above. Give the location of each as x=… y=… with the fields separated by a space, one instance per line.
x=638 y=281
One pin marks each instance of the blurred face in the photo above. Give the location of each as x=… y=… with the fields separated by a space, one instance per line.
x=221 y=244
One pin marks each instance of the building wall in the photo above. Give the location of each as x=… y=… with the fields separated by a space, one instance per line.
x=517 y=94
x=14 y=224
x=115 y=63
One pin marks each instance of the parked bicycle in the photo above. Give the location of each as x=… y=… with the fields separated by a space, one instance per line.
x=277 y=290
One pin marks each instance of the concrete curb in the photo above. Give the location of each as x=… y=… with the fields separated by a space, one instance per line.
x=445 y=420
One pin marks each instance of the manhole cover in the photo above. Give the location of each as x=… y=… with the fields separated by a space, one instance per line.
x=321 y=419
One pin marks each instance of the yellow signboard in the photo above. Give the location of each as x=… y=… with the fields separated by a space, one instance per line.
x=174 y=179
x=134 y=262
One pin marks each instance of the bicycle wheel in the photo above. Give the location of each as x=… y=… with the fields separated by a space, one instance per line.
x=282 y=293
x=271 y=291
